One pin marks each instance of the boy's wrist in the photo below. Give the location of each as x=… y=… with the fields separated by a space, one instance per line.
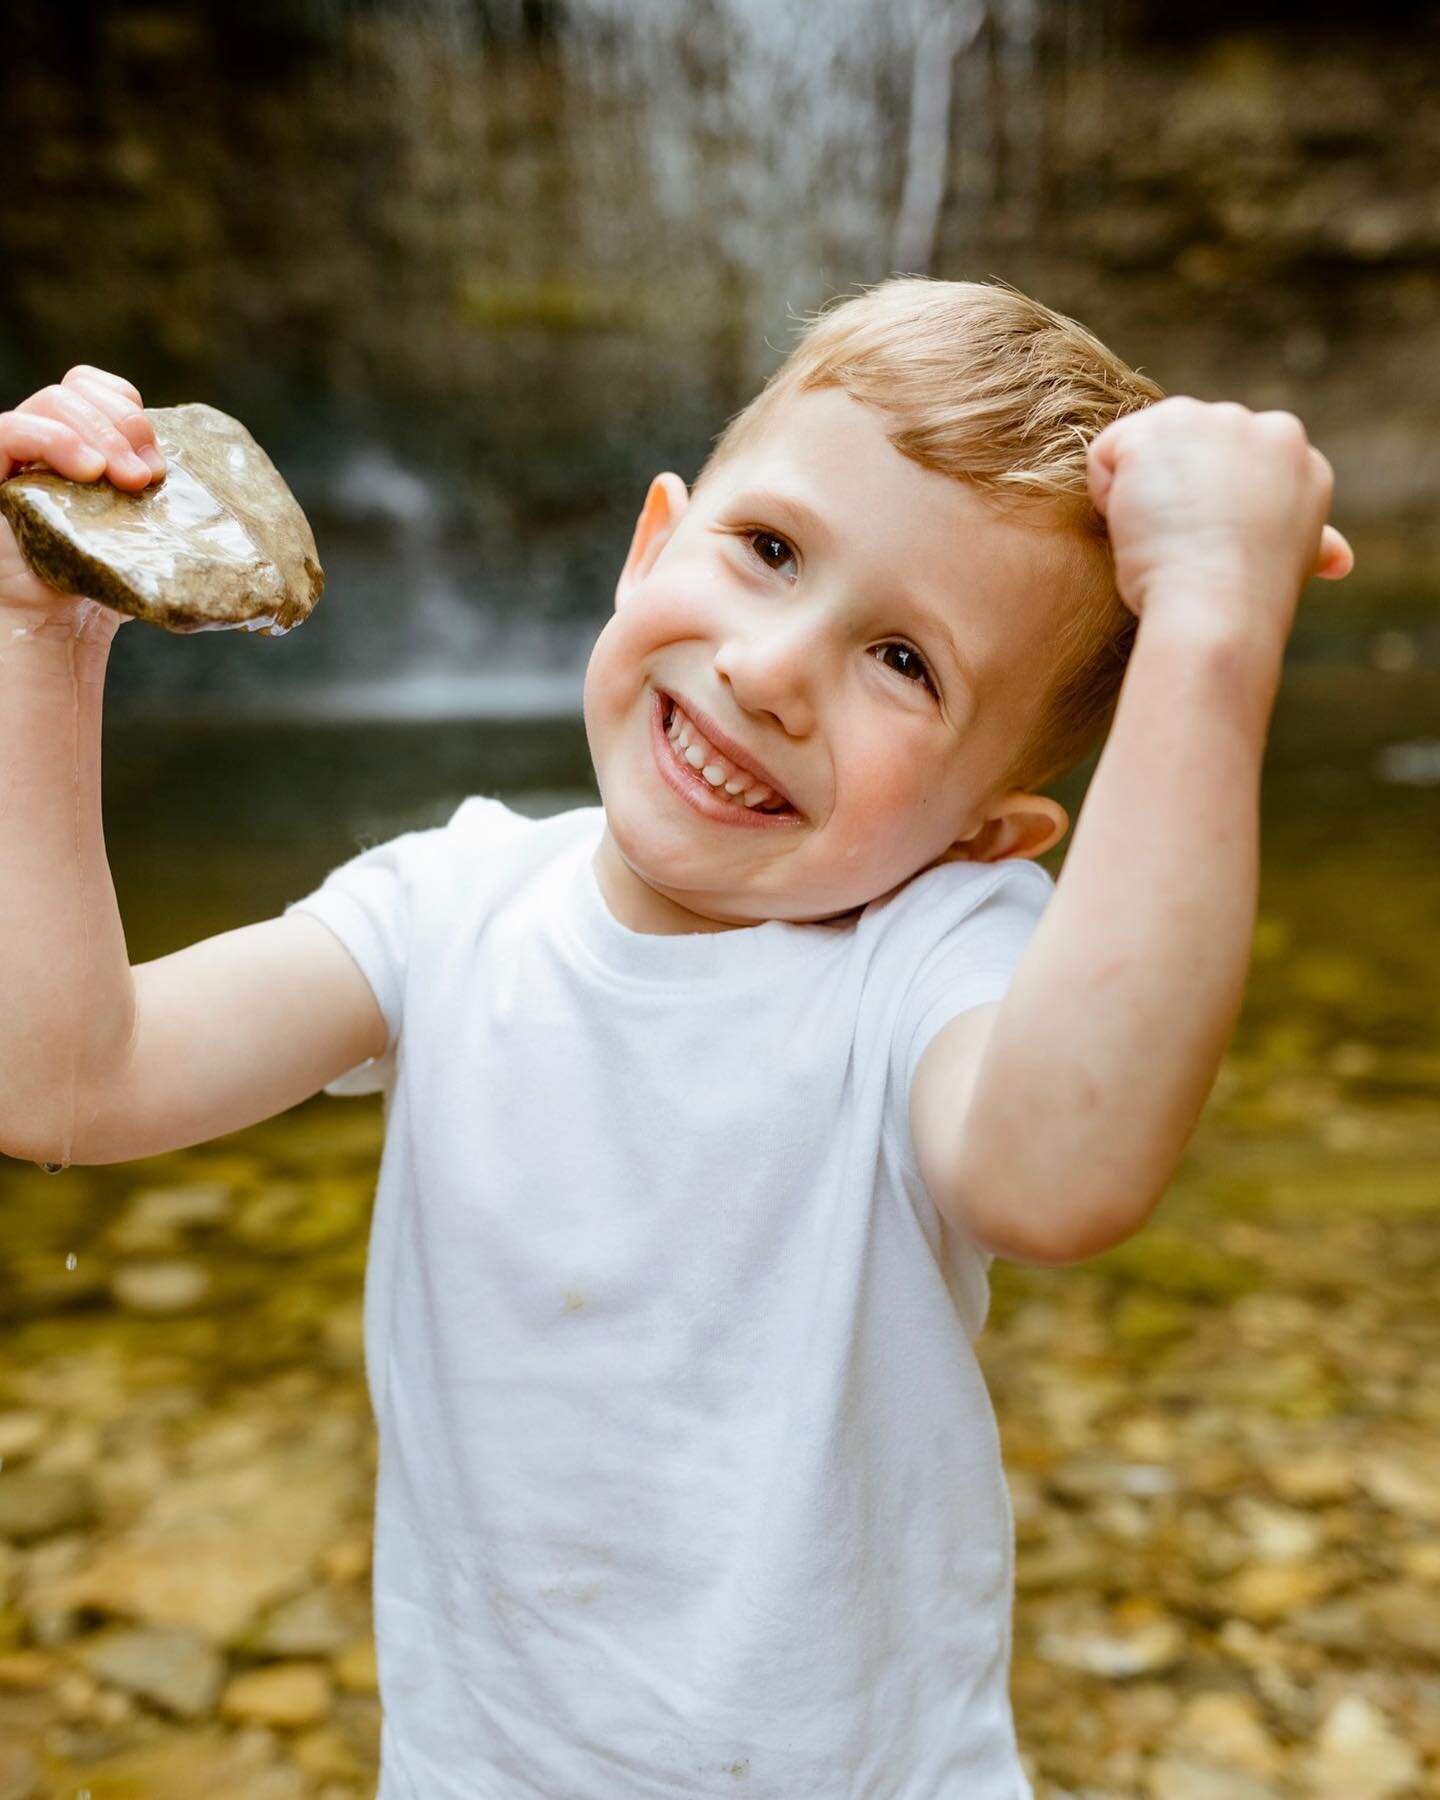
x=1208 y=651
x=66 y=616
x=1216 y=617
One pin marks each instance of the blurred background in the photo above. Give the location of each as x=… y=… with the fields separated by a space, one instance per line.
x=472 y=271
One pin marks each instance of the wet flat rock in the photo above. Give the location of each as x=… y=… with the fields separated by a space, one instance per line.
x=220 y=544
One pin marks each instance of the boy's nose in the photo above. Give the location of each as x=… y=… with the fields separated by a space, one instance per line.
x=773 y=671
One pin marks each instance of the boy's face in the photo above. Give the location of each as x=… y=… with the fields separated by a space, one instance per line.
x=869 y=631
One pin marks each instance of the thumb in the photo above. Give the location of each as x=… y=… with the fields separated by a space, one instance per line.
x=1100 y=463
x=1336 y=559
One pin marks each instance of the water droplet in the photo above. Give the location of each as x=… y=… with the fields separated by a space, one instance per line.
x=71 y=1261
x=51 y=1168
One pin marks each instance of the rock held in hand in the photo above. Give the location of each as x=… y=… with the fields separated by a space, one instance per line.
x=220 y=544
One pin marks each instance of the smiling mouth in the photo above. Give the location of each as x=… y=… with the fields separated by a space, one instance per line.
x=724 y=780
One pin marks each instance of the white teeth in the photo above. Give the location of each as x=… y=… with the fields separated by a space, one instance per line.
x=717 y=773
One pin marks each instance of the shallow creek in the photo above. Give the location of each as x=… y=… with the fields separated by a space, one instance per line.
x=1222 y=1437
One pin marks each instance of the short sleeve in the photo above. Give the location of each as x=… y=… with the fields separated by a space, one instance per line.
x=986 y=919
x=367 y=904
x=372 y=902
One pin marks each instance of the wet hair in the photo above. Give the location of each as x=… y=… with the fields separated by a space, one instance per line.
x=981 y=383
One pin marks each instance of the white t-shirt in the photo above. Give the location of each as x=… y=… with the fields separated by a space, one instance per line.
x=689 y=1482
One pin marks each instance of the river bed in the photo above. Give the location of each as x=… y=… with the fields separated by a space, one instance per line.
x=1222 y=1437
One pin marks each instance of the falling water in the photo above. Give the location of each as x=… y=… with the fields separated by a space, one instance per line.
x=588 y=234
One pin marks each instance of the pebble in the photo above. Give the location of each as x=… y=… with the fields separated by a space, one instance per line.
x=1277 y=1534
x=21 y=1435
x=159 y=1287
x=1187 y=1778
x=1405 y=1480
x=325 y=1755
x=1421 y=1560
x=175 y=1670
x=36 y=1503
x=1404 y=1615
x=212 y=1582
x=1269 y=1592
x=1227 y=1728
x=27 y=1671
x=1357 y=1756
x=347 y=1559
x=1085 y=1479
x=1061 y=1563
x=356 y=1669
x=317 y=1623
x=156 y=1217
x=1117 y=1650
x=193 y=1768
x=19 y=1774
x=287 y=1695
x=1313 y=1478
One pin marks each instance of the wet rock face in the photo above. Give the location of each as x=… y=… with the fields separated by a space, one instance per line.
x=219 y=545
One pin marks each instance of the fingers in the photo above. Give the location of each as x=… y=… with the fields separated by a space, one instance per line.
x=1336 y=559
x=92 y=423
x=35 y=437
x=121 y=386
x=89 y=425
x=113 y=397
x=1100 y=465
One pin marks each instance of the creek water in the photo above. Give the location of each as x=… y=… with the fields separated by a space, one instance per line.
x=182 y=1367
x=212 y=824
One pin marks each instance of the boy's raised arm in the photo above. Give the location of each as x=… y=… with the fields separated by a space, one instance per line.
x=1048 y=1127
x=99 y=1062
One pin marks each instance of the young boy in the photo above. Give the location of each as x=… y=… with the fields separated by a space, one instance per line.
x=707 y=1108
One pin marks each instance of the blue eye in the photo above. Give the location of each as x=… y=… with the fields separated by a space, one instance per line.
x=911 y=666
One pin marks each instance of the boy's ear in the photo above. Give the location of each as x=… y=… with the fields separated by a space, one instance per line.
x=665 y=504
x=1015 y=824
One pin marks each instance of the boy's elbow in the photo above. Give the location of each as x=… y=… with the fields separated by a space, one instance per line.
x=1052 y=1233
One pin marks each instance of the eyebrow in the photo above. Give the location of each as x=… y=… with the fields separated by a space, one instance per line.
x=804 y=518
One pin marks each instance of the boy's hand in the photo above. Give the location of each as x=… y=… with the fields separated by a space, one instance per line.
x=1211 y=505
x=89 y=425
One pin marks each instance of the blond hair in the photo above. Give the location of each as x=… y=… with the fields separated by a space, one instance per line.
x=981 y=383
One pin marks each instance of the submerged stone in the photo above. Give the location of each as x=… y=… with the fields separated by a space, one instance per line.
x=37 y=1503
x=219 y=544
x=160 y=1287
x=176 y=1670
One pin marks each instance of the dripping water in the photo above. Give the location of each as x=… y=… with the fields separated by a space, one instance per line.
x=67 y=1147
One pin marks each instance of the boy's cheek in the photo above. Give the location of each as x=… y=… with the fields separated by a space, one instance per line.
x=897 y=819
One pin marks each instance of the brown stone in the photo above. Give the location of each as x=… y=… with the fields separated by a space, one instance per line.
x=36 y=1503
x=219 y=544
x=286 y=1695
x=356 y=1669
x=175 y=1670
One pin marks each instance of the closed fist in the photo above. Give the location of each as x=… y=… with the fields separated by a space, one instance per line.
x=1212 y=506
